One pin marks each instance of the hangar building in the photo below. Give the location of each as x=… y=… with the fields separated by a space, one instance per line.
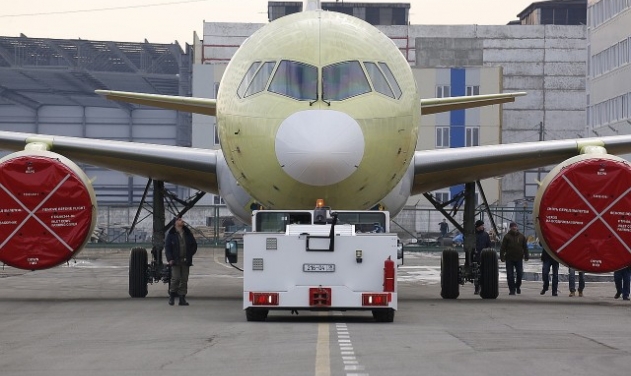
x=47 y=86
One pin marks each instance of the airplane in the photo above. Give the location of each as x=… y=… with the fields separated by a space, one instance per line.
x=316 y=105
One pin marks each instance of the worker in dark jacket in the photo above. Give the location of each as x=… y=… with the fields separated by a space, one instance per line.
x=514 y=251
x=482 y=241
x=444 y=228
x=180 y=246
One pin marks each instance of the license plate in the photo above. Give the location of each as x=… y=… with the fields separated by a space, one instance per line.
x=318 y=267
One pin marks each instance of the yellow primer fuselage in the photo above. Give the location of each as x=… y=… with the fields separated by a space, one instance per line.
x=248 y=126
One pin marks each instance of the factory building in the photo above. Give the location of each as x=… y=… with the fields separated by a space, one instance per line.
x=609 y=73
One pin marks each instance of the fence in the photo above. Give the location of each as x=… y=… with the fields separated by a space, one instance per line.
x=213 y=224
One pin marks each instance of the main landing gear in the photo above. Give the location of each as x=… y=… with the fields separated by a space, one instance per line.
x=142 y=272
x=484 y=271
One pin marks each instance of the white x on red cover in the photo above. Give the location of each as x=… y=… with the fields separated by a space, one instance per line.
x=46 y=211
x=585 y=214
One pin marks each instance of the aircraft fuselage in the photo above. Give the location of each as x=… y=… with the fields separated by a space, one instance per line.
x=311 y=106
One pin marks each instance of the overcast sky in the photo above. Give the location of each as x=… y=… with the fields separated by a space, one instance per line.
x=165 y=21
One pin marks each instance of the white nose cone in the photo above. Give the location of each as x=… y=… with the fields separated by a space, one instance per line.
x=319 y=147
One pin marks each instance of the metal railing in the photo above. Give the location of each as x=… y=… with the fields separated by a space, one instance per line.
x=214 y=224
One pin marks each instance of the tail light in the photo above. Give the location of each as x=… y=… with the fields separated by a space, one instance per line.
x=264 y=298
x=376 y=299
x=320 y=296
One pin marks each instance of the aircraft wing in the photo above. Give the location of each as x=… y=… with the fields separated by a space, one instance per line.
x=435 y=105
x=208 y=106
x=435 y=169
x=191 y=167
x=187 y=104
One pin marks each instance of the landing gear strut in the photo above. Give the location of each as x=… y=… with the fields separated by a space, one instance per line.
x=484 y=271
x=142 y=273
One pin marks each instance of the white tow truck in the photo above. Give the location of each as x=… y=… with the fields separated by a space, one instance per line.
x=320 y=260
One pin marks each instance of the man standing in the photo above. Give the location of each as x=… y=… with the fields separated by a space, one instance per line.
x=572 y=282
x=180 y=246
x=514 y=251
x=444 y=228
x=482 y=240
x=547 y=263
x=622 y=279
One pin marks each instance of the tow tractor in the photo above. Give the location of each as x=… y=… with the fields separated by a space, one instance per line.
x=320 y=260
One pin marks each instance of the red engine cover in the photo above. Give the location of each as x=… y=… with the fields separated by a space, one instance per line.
x=45 y=211
x=584 y=214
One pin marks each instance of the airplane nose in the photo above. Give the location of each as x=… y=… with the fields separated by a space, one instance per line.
x=319 y=147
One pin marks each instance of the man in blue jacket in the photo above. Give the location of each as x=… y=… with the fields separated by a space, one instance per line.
x=180 y=246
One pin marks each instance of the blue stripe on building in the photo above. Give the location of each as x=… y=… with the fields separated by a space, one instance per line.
x=457 y=118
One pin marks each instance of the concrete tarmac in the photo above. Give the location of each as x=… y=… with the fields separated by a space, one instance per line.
x=80 y=320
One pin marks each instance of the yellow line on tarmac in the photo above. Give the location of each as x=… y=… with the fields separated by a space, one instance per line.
x=323 y=359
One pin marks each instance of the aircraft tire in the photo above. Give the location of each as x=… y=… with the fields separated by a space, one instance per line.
x=489 y=274
x=138 y=273
x=383 y=315
x=256 y=314
x=449 y=282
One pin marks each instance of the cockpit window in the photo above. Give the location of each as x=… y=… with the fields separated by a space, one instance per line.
x=379 y=81
x=343 y=80
x=296 y=80
x=245 y=82
x=393 y=82
x=256 y=78
x=260 y=78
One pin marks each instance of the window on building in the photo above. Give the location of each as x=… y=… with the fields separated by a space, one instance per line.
x=442 y=137
x=531 y=181
x=624 y=51
x=547 y=16
x=577 y=16
x=338 y=9
x=443 y=91
x=473 y=90
x=472 y=135
x=441 y=196
x=373 y=15
x=399 y=16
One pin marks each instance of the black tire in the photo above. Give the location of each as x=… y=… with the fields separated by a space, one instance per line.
x=256 y=314
x=138 y=273
x=449 y=281
x=489 y=274
x=383 y=315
